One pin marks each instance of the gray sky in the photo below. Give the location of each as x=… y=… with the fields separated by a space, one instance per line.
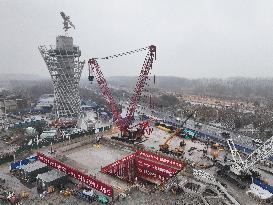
x=195 y=38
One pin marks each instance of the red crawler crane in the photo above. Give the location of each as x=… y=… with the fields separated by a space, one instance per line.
x=124 y=124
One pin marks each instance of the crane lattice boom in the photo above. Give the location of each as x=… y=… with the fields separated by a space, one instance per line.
x=260 y=154
x=93 y=64
x=147 y=66
x=123 y=124
x=234 y=152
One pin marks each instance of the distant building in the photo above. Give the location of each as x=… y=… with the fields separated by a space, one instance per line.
x=13 y=103
x=22 y=103
x=10 y=105
x=45 y=101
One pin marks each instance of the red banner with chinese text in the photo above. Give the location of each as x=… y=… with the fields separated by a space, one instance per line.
x=88 y=180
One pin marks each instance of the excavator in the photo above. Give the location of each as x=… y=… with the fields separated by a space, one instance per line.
x=165 y=147
x=177 y=151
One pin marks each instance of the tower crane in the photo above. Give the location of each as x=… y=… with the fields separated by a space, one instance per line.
x=124 y=124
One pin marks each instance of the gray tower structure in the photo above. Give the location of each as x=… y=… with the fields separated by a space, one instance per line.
x=64 y=65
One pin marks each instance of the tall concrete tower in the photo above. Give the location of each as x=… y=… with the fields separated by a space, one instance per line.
x=64 y=65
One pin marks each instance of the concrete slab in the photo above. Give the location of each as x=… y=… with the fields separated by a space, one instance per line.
x=93 y=158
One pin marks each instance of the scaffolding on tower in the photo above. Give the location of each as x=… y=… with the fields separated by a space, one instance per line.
x=65 y=68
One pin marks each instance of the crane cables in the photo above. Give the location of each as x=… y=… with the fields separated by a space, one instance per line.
x=124 y=53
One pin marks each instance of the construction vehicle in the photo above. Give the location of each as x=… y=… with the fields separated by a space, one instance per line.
x=217 y=146
x=241 y=167
x=240 y=171
x=182 y=143
x=24 y=194
x=85 y=195
x=67 y=192
x=163 y=128
x=178 y=151
x=102 y=199
x=165 y=147
x=190 y=151
x=50 y=189
x=215 y=154
x=128 y=134
x=203 y=165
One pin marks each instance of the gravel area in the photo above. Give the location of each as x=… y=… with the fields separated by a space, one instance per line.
x=160 y=198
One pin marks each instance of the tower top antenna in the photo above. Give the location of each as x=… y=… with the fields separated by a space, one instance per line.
x=67 y=22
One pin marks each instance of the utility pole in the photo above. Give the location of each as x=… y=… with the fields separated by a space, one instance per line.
x=5 y=114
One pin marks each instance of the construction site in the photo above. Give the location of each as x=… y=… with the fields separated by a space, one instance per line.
x=130 y=156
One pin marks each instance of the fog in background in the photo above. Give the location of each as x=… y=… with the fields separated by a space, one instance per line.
x=195 y=39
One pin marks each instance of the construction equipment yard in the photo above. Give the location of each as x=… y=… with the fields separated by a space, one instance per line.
x=158 y=137
x=128 y=147
x=88 y=156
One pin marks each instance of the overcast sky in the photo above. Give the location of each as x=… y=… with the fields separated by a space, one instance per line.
x=195 y=38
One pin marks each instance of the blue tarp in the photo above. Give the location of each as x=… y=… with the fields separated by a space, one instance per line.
x=16 y=165
x=263 y=185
